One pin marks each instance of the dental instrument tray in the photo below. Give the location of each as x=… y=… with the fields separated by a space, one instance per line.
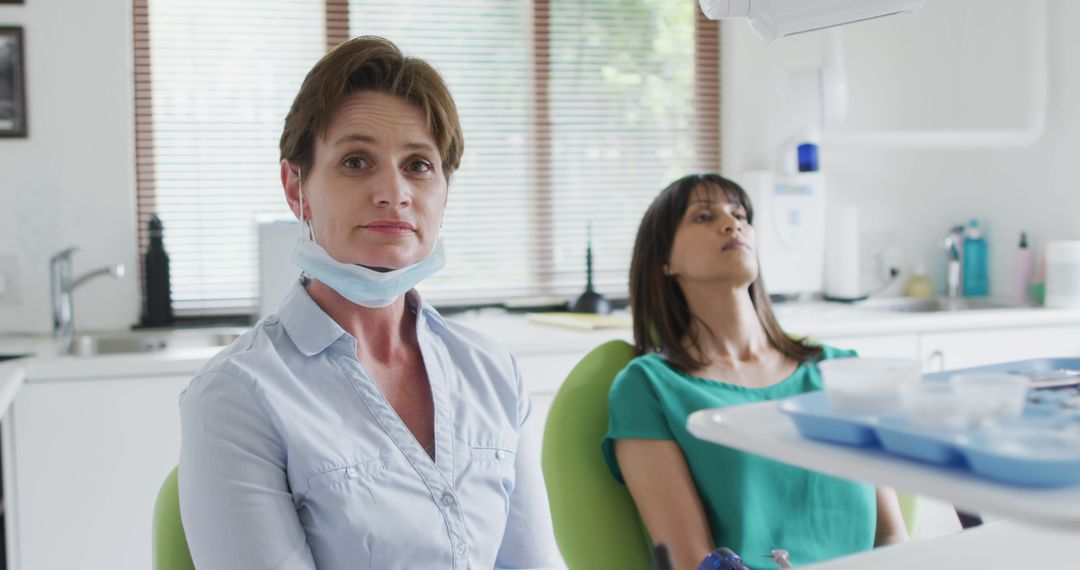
x=1039 y=449
x=1042 y=372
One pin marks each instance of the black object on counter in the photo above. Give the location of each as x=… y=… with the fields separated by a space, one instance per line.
x=157 y=295
x=590 y=301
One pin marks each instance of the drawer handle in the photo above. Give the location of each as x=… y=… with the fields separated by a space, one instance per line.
x=939 y=356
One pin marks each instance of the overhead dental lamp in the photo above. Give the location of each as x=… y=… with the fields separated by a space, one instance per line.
x=772 y=19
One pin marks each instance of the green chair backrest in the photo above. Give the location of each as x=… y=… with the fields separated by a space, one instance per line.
x=170 y=544
x=596 y=522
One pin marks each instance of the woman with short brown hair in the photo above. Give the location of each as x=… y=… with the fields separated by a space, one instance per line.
x=357 y=428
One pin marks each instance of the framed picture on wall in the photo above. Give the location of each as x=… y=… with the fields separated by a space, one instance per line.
x=12 y=83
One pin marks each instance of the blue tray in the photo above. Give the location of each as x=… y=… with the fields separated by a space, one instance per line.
x=969 y=450
x=1044 y=372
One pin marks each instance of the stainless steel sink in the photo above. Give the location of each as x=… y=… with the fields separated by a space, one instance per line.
x=143 y=342
x=935 y=305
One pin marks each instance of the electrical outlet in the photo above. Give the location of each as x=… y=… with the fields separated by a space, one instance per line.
x=9 y=280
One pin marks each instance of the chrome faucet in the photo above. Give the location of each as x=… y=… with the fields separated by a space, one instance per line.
x=954 y=246
x=61 y=286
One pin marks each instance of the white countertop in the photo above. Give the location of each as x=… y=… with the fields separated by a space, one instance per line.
x=821 y=319
x=816 y=319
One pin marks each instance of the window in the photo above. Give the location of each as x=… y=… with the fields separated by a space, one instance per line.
x=575 y=112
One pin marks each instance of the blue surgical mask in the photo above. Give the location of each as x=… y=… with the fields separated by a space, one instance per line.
x=359 y=284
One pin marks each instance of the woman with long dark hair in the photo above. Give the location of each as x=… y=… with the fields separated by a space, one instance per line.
x=706 y=337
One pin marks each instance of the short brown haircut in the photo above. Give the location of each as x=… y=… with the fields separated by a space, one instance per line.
x=370 y=63
x=662 y=317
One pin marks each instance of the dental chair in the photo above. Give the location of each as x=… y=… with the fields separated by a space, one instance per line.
x=596 y=522
x=170 y=544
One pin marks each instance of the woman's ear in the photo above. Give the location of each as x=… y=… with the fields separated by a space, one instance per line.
x=290 y=182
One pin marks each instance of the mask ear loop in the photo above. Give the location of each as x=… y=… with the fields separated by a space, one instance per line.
x=306 y=225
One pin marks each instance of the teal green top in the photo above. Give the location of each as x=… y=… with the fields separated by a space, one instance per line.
x=753 y=504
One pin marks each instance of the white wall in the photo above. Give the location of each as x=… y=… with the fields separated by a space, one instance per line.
x=955 y=64
x=951 y=64
x=72 y=181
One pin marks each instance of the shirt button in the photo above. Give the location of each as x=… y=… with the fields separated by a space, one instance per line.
x=350 y=472
x=461 y=549
x=448 y=500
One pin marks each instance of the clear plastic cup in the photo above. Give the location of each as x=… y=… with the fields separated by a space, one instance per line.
x=988 y=399
x=868 y=386
x=933 y=404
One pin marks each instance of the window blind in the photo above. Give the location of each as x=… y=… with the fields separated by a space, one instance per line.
x=575 y=113
x=214 y=80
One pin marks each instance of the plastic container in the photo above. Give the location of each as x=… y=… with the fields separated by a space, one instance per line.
x=867 y=386
x=1027 y=456
x=976 y=276
x=927 y=444
x=1024 y=452
x=1063 y=274
x=919 y=285
x=1040 y=448
x=986 y=399
x=815 y=420
x=935 y=404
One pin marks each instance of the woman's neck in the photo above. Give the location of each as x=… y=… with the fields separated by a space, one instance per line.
x=379 y=332
x=726 y=324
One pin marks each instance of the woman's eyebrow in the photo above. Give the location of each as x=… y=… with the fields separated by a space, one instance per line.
x=355 y=138
x=420 y=146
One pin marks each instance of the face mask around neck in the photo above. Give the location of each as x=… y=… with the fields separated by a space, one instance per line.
x=361 y=285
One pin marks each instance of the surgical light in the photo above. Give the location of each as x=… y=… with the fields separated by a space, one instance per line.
x=772 y=19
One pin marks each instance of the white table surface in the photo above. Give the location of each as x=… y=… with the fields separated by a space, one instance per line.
x=1003 y=545
x=763 y=430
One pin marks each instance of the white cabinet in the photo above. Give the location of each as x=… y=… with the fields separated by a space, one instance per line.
x=947 y=350
x=544 y=373
x=87 y=458
x=961 y=349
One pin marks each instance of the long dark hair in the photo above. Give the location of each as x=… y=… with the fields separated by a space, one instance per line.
x=662 y=317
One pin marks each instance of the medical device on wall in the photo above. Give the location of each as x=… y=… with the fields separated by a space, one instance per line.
x=772 y=19
x=789 y=218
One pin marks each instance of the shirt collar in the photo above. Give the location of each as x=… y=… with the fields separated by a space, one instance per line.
x=423 y=309
x=309 y=327
x=313 y=331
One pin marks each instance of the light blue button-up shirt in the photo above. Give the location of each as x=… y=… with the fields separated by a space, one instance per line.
x=292 y=458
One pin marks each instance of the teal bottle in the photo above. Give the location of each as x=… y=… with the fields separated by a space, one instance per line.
x=976 y=276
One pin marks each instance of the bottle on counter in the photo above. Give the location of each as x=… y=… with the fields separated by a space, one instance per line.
x=976 y=277
x=157 y=294
x=919 y=285
x=1037 y=287
x=1023 y=266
